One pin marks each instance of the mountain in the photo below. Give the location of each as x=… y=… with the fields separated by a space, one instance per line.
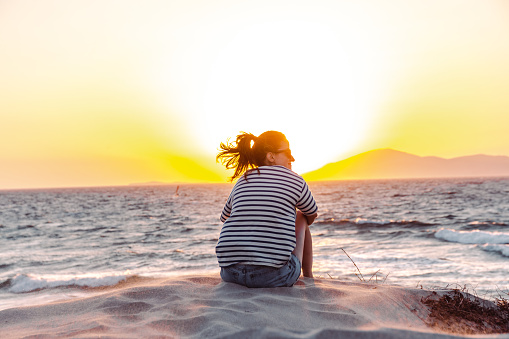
x=389 y=163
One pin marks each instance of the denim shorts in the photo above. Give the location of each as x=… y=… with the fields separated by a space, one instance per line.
x=263 y=276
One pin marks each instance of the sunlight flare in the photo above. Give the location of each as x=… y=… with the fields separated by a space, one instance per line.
x=288 y=76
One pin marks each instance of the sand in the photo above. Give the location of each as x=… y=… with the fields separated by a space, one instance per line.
x=202 y=306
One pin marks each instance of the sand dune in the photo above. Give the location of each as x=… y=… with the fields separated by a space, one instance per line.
x=205 y=307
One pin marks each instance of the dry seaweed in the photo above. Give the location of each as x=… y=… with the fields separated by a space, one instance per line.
x=459 y=312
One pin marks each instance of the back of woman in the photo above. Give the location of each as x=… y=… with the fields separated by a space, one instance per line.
x=261 y=229
x=263 y=238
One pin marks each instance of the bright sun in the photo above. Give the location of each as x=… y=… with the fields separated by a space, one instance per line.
x=290 y=76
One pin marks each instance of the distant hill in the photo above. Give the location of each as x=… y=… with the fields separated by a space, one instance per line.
x=389 y=163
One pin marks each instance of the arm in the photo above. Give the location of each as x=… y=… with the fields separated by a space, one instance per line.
x=311 y=218
x=307 y=205
x=225 y=214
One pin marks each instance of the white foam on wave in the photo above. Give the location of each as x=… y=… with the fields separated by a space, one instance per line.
x=361 y=221
x=502 y=249
x=27 y=282
x=473 y=237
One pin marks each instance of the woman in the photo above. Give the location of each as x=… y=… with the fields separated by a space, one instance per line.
x=264 y=241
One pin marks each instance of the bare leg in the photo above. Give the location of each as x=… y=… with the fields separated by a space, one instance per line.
x=307 y=259
x=304 y=247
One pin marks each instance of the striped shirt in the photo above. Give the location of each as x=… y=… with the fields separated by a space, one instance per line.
x=259 y=217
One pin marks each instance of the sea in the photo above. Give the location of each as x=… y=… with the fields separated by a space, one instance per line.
x=65 y=243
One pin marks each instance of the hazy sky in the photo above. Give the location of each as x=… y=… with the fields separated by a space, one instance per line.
x=114 y=92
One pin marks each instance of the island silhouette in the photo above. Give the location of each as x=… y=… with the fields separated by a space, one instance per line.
x=391 y=164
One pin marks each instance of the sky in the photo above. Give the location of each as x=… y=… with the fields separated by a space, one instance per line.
x=97 y=93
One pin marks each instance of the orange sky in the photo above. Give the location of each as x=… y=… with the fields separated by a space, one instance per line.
x=115 y=92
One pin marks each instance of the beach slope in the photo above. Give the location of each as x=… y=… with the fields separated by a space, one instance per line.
x=202 y=306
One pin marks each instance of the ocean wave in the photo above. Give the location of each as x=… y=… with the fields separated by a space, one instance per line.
x=502 y=249
x=361 y=222
x=472 y=237
x=23 y=283
x=490 y=223
x=483 y=225
x=2 y=266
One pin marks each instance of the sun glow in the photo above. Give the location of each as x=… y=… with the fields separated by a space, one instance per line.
x=290 y=76
x=94 y=93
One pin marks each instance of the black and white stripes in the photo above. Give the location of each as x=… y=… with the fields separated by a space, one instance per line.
x=259 y=217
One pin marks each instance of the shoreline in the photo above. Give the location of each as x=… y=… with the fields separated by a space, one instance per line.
x=197 y=306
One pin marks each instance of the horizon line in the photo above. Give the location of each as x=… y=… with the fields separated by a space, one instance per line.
x=160 y=183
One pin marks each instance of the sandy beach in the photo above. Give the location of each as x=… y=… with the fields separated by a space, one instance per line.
x=202 y=306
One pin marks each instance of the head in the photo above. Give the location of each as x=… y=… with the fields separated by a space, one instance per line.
x=268 y=149
x=275 y=150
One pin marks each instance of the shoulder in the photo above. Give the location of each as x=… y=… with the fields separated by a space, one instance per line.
x=286 y=171
x=281 y=172
x=270 y=171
